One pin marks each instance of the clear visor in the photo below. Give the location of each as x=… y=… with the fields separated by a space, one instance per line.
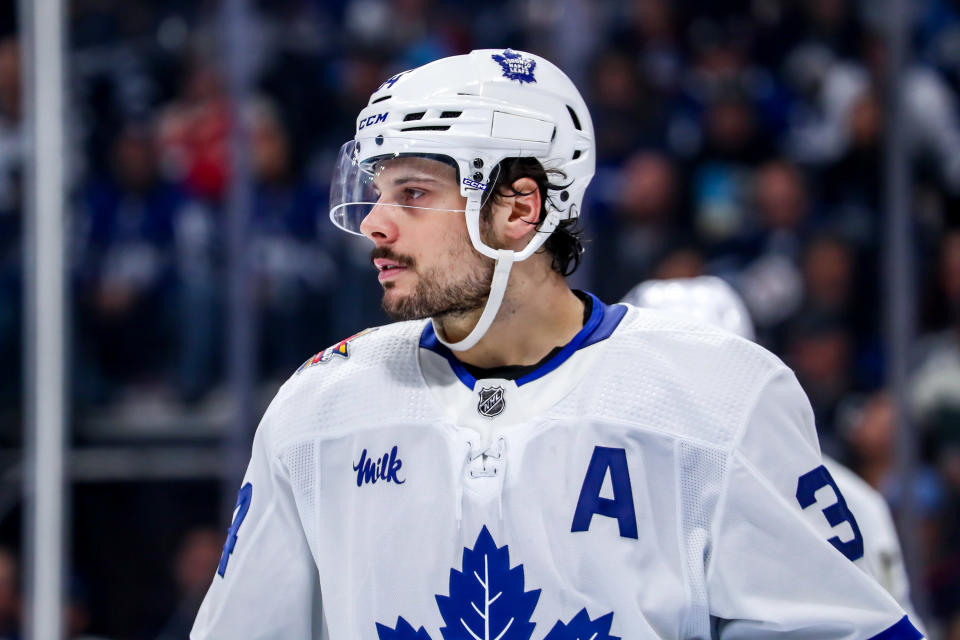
x=410 y=175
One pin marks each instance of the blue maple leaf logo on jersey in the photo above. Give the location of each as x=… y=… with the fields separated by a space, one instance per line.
x=487 y=601
x=487 y=598
x=515 y=66
x=583 y=628
x=403 y=631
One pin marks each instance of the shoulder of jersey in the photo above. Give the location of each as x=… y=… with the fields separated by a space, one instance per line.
x=351 y=370
x=682 y=377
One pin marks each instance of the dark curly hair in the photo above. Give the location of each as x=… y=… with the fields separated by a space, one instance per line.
x=564 y=245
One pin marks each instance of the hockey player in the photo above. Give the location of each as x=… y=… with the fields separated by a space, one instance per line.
x=515 y=460
x=709 y=299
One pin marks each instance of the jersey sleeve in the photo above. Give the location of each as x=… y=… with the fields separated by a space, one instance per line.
x=266 y=585
x=785 y=543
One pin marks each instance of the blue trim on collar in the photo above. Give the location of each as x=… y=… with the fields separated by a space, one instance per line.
x=601 y=324
x=903 y=630
x=428 y=340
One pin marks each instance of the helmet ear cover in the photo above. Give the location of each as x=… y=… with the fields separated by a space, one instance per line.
x=564 y=244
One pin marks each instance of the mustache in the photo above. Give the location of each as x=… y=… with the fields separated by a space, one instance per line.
x=385 y=252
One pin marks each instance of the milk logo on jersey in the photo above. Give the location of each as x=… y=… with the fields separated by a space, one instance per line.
x=515 y=66
x=488 y=601
x=386 y=467
x=491 y=402
x=341 y=349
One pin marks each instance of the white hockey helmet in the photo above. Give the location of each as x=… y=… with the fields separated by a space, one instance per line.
x=706 y=298
x=469 y=113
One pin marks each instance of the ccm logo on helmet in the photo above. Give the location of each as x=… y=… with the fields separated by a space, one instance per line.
x=372 y=120
x=472 y=184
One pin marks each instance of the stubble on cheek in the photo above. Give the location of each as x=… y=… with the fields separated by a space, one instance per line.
x=438 y=292
x=460 y=287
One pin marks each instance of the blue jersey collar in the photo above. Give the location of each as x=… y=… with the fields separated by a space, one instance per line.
x=599 y=326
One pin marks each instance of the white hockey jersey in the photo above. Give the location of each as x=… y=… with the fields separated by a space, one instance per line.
x=654 y=479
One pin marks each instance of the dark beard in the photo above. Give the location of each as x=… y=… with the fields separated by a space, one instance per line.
x=432 y=298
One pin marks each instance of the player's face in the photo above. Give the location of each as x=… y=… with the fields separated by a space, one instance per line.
x=426 y=263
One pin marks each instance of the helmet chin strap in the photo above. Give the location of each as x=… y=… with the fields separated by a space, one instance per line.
x=501 y=272
x=498 y=287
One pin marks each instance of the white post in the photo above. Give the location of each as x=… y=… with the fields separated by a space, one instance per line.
x=45 y=328
x=242 y=332
x=901 y=297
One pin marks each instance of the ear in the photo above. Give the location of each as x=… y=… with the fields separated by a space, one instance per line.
x=524 y=214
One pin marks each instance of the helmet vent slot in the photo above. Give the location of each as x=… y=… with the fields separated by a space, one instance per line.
x=414 y=116
x=576 y=120
x=380 y=99
x=451 y=114
x=426 y=128
x=576 y=154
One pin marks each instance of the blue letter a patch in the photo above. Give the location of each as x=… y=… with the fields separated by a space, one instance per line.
x=613 y=461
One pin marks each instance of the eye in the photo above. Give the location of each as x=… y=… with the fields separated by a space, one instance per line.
x=410 y=193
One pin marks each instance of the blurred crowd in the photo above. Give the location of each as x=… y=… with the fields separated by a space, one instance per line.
x=170 y=616
x=739 y=138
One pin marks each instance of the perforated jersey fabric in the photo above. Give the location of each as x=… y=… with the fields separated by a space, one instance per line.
x=644 y=486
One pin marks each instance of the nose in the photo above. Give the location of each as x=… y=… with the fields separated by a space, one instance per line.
x=379 y=225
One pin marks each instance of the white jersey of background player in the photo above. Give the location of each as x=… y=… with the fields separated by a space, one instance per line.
x=530 y=464
x=713 y=301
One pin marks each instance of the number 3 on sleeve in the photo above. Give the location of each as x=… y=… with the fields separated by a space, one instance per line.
x=243 y=505
x=836 y=513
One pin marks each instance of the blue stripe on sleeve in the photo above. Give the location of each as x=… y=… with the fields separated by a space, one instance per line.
x=903 y=630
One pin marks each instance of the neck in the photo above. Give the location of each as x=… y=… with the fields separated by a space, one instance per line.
x=539 y=312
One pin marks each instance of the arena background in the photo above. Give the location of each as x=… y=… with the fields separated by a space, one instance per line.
x=807 y=151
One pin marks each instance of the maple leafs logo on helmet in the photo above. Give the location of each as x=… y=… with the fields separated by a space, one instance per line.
x=515 y=66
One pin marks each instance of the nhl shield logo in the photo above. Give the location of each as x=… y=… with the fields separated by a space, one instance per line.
x=491 y=402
